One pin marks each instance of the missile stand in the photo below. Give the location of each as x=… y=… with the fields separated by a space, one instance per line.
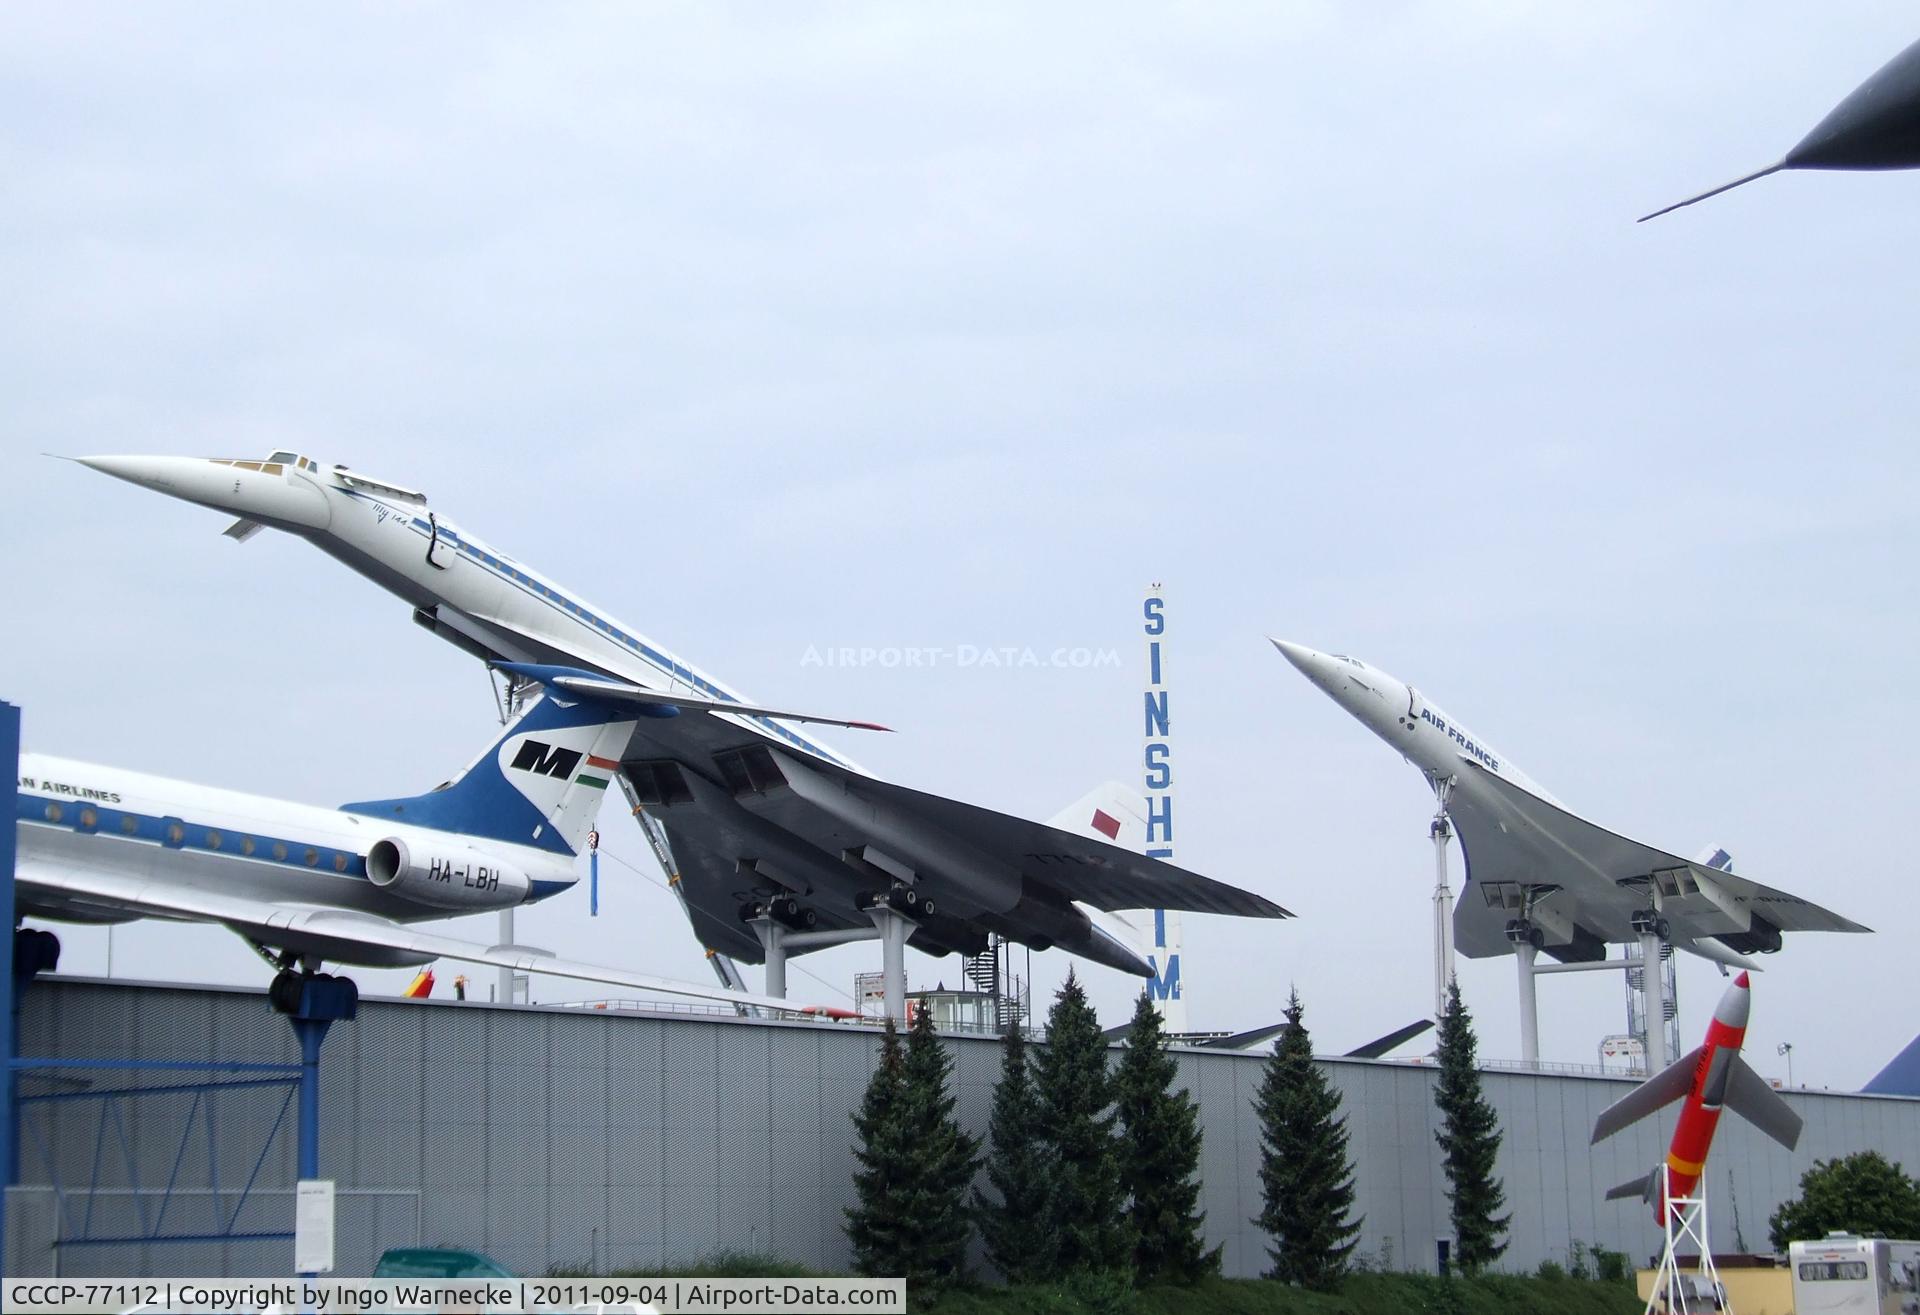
x=1675 y=1292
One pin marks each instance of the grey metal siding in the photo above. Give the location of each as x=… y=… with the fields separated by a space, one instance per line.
x=559 y=1137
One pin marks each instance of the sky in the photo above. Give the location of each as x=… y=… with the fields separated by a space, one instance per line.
x=782 y=329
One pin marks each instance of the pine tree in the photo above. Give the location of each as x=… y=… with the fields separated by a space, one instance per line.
x=1470 y=1140
x=876 y=1224
x=940 y=1161
x=1305 y=1175
x=1160 y=1157
x=1086 y=1222
x=1019 y=1171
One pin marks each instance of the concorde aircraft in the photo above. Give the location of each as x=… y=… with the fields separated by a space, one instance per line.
x=352 y=885
x=1539 y=870
x=767 y=822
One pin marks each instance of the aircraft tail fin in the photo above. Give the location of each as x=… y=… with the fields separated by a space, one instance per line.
x=1901 y=1076
x=540 y=783
x=1110 y=812
x=1659 y=1091
x=1750 y=1096
x=1713 y=856
x=1644 y=1188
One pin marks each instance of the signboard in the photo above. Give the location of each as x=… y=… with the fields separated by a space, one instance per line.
x=313 y=1226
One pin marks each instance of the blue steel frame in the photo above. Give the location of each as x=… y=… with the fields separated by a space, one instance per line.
x=9 y=1125
x=291 y=1077
x=301 y=1079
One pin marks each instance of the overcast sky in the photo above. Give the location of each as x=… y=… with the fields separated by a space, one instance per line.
x=781 y=328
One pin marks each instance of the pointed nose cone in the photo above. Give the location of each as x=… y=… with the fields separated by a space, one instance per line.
x=161 y=474
x=257 y=491
x=1300 y=655
x=1313 y=664
x=1876 y=127
x=1735 y=1005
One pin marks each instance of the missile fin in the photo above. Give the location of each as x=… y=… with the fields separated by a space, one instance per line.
x=1657 y=1092
x=1750 y=1096
x=1643 y=1188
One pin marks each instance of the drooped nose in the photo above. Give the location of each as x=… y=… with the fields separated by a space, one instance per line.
x=258 y=490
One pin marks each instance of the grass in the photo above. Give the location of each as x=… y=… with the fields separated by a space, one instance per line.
x=1362 y=1294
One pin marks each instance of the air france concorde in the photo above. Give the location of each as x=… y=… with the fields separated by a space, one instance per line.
x=1574 y=887
x=766 y=820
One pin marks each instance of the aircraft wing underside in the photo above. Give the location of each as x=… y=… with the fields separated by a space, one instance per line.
x=335 y=934
x=1513 y=839
x=751 y=819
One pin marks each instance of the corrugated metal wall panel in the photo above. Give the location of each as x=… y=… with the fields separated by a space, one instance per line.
x=552 y=1137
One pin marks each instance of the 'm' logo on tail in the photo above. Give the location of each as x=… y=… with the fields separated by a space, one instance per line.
x=546 y=760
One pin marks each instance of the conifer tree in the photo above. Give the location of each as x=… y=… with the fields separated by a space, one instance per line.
x=1306 y=1178
x=1469 y=1137
x=1086 y=1219
x=1019 y=1171
x=876 y=1224
x=940 y=1159
x=1160 y=1157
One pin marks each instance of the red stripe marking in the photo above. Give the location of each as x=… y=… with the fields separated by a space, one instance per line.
x=604 y=764
x=1106 y=824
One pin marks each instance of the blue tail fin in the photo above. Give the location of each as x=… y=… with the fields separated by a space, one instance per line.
x=539 y=784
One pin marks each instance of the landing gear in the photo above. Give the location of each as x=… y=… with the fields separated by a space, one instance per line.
x=313 y=996
x=34 y=952
x=1522 y=932
x=906 y=900
x=1648 y=922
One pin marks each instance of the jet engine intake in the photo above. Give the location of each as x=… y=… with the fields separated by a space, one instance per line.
x=445 y=879
x=1760 y=937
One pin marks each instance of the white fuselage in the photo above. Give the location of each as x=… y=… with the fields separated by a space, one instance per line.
x=461 y=587
x=174 y=834
x=1420 y=730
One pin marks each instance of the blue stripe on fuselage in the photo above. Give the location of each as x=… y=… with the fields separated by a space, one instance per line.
x=560 y=602
x=113 y=823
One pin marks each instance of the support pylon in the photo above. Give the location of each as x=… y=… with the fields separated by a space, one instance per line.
x=1675 y=1292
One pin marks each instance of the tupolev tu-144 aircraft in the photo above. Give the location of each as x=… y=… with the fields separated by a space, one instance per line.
x=768 y=824
x=1536 y=868
x=349 y=885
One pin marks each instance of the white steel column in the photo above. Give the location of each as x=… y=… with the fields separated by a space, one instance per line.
x=893 y=958
x=1442 y=832
x=505 y=993
x=1653 y=998
x=773 y=937
x=1523 y=956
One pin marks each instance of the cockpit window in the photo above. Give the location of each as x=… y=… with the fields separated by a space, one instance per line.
x=285 y=458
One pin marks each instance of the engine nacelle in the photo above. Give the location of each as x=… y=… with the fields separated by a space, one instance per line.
x=456 y=879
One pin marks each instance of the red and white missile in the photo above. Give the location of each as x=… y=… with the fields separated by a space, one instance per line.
x=1709 y=1079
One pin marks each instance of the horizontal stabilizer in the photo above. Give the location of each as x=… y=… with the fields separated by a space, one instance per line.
x=584 y=684
x=1379 y=1046
x=1659 y=1091
x=1751 y=1097
x=1640 y=1187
